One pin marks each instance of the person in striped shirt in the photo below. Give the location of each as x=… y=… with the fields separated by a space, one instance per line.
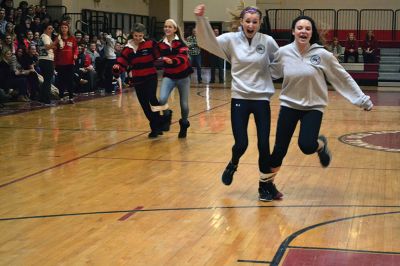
x=177 y=70
x=139 y=55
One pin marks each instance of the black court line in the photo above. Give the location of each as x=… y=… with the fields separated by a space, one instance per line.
x=255 y=261
x=285 y=244
x=194 y=209
x=92 y=152
x=348 y=250
x=69 y=129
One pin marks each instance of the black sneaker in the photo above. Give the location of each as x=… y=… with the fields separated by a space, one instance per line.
x=167 y=118
x=154 y=134
x=324 y=154
x=264 y=194
x=268 y=192
x=227 y=176
x=184 y=124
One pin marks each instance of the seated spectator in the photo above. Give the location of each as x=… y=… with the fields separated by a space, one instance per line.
x=369 y=47
x=29 y=61
x=78 y=36
x=13 y=81
x=86 y=39
x=92 y=52
x=351 y=49
x=336 y=49
x=9 y=43
x=85 y=75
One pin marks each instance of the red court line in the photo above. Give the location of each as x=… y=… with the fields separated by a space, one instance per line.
x=338 y=258
x=129 y=214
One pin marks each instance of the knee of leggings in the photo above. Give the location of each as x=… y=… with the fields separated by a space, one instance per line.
x=307 y=148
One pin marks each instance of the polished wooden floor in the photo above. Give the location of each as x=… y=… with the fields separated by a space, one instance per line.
x=83 y=185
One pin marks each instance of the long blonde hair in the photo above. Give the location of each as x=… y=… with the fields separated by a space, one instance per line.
x=178 y=29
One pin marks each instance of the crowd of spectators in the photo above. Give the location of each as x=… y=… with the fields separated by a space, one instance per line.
x=21 y=34
x=353 y=50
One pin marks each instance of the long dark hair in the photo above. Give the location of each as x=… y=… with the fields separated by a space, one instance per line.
x=315 y=38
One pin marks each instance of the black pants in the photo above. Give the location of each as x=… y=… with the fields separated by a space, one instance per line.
x=240 y=114
x=65 y=80
x=19 y=83
x=108 y=75
x=217 y=63
x=47 y=69
x=310 y=124
x=146 y=93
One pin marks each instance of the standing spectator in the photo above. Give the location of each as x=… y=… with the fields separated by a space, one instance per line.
x=351 y=49
x=369 y=48
x=44 y=15
x=3 y=23
x=65 y=57
x=195 y=53
x=109 y=55
x=46 y=48
x=177 y=70
x=250 y=53
x=139 y=55
x=216 y=63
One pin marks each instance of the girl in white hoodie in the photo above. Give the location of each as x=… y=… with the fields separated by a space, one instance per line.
x=250 y=54
x=306 y=67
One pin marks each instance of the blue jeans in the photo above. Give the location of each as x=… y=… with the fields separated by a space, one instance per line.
x=183 y=87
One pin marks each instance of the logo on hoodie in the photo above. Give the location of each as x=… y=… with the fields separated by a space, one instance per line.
x=315 y=59
x=260 y=49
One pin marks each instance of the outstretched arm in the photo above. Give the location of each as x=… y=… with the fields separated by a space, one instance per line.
x=205 y=35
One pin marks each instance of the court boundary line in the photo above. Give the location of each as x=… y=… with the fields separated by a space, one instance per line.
x=196 y=209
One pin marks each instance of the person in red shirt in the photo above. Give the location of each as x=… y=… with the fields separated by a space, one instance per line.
x=139 y=55
x=65 y=56
x=351 y=48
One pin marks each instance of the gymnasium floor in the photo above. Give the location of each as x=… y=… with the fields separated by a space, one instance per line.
x=83 y=185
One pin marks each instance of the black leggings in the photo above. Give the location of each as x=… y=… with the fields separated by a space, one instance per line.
x=240 y=114
x=310 y=123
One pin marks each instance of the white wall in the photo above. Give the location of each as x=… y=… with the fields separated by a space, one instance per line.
x=216 y=10
x=139 y=7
